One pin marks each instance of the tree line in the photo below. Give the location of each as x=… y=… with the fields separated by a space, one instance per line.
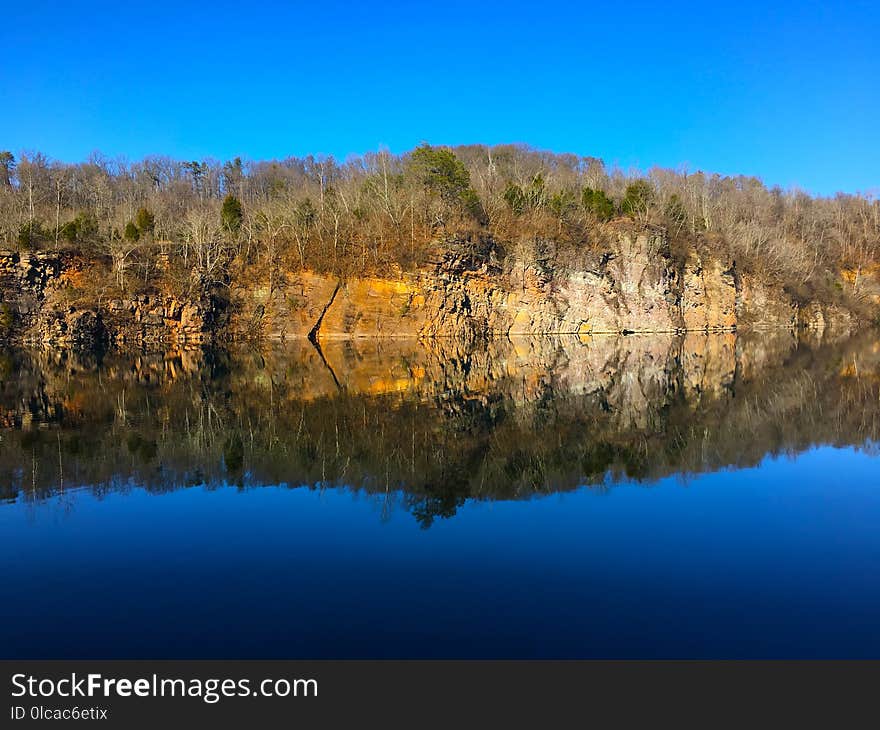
x=199 y=222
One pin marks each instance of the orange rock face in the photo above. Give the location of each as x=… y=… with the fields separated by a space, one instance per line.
x=635 y=288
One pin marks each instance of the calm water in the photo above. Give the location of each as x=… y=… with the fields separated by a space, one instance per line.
x=614 y=497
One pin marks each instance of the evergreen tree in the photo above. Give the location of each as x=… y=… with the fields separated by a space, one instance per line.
x=231 y=214
x=637 y=197
x=144 y=221
x=7 y=165
x=598 y=204
x=515 y=198
x=444 y=175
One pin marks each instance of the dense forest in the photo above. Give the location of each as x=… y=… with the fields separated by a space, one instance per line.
x=198 y=223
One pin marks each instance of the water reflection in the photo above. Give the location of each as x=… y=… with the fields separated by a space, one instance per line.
x=427 y=426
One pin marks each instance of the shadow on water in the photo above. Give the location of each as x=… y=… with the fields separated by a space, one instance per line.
x=428 y=426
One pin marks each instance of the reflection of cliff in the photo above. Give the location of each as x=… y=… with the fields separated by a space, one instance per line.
x=436 y=423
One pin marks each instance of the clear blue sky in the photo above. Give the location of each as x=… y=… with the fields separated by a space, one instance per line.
x=788 y=91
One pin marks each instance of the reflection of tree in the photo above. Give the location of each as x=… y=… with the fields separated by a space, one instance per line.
x=233 y=457
x=167 y=421
x=427 y=509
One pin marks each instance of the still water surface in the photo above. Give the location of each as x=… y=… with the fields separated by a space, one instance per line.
x=620 y=497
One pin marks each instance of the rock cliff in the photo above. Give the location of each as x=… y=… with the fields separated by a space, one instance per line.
x=466 y=290
x=50 y=298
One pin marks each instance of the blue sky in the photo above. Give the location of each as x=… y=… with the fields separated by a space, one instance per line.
x=787 y=91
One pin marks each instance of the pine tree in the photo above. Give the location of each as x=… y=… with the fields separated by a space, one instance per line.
x=144 y=221
x=131 y=232
x=231 y=214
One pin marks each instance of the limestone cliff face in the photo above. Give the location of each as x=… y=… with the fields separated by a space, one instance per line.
x=41 y=302
x=764 y=306
x=466 y=291
x=289 y=309
x=633 y=287
x=709 y=294
x=822 y=317
x=25 y=281
x=151 y=319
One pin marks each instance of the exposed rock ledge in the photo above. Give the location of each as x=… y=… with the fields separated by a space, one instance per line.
x=467 y=291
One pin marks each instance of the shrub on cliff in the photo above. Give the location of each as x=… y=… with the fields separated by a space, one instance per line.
x=29 y=234
x=83 y=228
x=67 y=232
x=636 y=199
x=533 y=196
x=598 y=204
x=515 y=198
x=562 y=203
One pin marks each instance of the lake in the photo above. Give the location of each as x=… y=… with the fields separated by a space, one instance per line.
x=639 y=496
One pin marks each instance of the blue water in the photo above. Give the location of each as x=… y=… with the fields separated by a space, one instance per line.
x=780 y=560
